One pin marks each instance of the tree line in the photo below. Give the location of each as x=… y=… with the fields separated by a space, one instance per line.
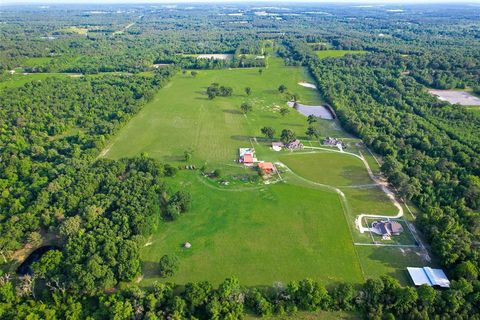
x=382 y=298
x=430 y=148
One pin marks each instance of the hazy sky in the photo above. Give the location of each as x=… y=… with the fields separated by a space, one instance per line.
x=238 y=1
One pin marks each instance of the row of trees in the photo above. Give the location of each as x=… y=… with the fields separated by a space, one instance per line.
x=376 y=299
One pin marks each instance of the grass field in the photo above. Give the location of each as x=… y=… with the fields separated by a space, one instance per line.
x=215 y=129
x=336 y=53
x=33 y=62
x=378 y=261
x=308 y=315
x=261 y=233
x=348 y=174
x=73 y=29
x=328 y=168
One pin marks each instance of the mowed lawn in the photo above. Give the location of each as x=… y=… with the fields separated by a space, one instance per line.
x=274 y=233
x=330 y=168
x=181 y=117
x=349 y=174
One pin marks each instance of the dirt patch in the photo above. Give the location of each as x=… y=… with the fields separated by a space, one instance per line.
x=459 y=97
x=215 y=56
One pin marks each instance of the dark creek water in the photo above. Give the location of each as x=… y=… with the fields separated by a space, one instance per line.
x=26 y=266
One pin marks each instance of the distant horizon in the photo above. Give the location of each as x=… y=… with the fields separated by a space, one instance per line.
x=186 y=2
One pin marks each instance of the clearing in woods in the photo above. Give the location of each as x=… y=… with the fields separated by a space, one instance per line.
x=260 y=233
x=337 y=53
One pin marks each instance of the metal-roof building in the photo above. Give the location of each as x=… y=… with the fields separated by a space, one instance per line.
x=430 y=277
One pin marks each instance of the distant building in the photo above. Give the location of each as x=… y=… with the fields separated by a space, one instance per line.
x=329 y=141
x=267 y=167
x=277 y=145
x=430 y=277
x=247 y=156
x=294 y=145
x=387 y=228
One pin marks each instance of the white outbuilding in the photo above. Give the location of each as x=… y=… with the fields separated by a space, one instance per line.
x=430 y=277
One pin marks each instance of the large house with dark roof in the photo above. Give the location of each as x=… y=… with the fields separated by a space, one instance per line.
x=387 y=228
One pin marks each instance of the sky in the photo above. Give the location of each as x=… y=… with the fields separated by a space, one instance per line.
x=3 y=2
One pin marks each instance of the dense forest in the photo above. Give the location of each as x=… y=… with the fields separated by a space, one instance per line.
x=53 y=184
x=51 y=132
x=430 y=147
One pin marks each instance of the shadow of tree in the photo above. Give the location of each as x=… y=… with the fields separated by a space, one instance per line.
x=292 y=124
x=240 y=138
x=232 y=111
x=150 y=269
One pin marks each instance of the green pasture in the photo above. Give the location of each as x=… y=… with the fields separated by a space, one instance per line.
x=77 y=30
x=329 y=168
x=348 y=174
x=336 y=53
x=294 y=229
x=38 y=61
x=392 y=261
x=18 y=80
x=262 y=235
x=181 y=117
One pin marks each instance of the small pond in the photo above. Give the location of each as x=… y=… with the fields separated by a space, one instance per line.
x=26 y=266
x=318 y=111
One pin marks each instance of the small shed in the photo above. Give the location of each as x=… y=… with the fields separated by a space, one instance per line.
x=187 y=245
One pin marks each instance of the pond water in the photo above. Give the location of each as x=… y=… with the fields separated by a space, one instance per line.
x=26 y=266
x=318 y=111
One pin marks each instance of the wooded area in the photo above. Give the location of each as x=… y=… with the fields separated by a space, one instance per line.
x=52 y=131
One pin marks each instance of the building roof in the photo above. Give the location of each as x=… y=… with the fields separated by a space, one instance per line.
x=277 y=144
x=430 y=277
x=294 y=144
x=248 y=158
x=396 y=227
x=244 y=151
x=387 y=227
x=266 y=165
